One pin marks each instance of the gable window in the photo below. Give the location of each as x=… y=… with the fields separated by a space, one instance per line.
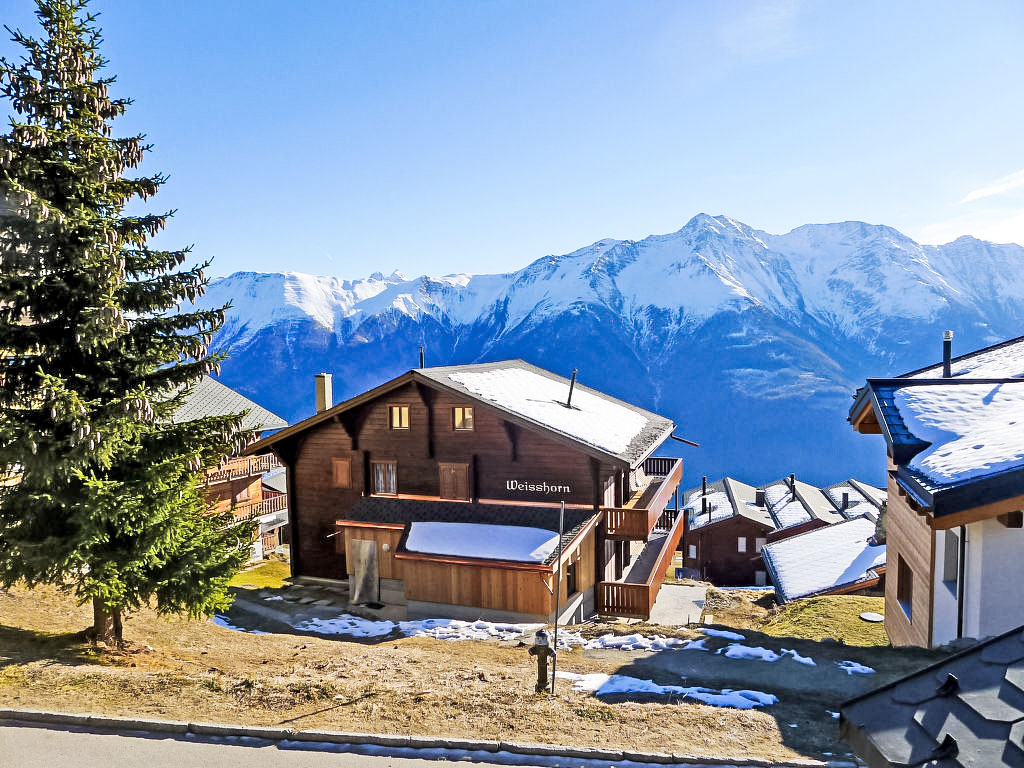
x=462 y=418
x=398 y=416
x=385 y=477
x=341 y=473
x=904 y=585
x=454 y=480
x=570 y=579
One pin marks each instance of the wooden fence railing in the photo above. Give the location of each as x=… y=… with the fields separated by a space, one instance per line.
x=637 y=523
x=246 y=466
x=247 y=510
x=659 y=466
x=635 y=601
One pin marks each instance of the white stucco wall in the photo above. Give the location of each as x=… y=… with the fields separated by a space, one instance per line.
x=944 y=605
x=995 y=573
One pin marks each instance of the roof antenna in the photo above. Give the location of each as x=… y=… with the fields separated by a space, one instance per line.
x=572 y=383
x=421 y=357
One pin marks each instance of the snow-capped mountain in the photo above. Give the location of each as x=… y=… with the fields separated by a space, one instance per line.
x=751 y=342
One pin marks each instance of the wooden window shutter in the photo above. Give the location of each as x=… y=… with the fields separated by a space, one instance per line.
x=454 y=480
x=341 y=473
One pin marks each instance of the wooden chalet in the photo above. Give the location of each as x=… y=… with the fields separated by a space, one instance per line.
x=236 y=485
x=441 y=489
x=954 y=435
x=728 y=522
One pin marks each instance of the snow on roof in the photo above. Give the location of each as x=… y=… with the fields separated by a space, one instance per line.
x=492 y=542
x=859 y=503
x=823 y=560
x=974 y=429
x=718 y=505
x=785 y=507
x=1003 y=361
x=593 y=419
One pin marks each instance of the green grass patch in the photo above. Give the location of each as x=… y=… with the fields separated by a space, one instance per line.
x=835 y=616
x=271 y=575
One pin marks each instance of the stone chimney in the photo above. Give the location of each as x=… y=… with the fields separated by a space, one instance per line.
x=324 y=392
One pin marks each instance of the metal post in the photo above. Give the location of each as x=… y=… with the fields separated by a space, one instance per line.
x=558 y=594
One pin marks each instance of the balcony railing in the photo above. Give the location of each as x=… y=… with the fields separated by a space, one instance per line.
x=635 y=601
x=247 y=510
x=247 y=466
x=638 y=518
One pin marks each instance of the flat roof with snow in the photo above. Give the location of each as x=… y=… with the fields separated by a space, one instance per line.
x=516 y=543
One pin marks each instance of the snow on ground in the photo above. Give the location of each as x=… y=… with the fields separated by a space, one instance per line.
x=635 y=642
x=453 y=629
x=224 y=621
x=723 y=633
x=798 y=658
x=737 y=651
x=346 y=624
x=853 y=667
x=785 y=506
x=592 y=419
x=601 y=684
x=974 y=429
x=718 y=504
x=517 y=543
x=824 y=559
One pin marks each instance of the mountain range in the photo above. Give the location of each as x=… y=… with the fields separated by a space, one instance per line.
x=752 y=343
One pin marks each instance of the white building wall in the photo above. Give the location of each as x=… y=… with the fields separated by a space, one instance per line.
x=1002 y=574
x=944 y=602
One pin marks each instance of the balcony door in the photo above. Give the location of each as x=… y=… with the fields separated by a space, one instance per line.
x=454 y=480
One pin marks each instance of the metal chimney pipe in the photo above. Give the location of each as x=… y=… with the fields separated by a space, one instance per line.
x=846 y=500
x=324 y=392
x=704 y=486
x=792 y=483
x=759 y=497
x=947 y=354
x=421 y=357
x=572 y=384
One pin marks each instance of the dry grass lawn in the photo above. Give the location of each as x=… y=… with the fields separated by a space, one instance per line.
x=189 y=670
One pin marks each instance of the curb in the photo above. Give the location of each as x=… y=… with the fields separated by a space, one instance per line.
x=270 y=733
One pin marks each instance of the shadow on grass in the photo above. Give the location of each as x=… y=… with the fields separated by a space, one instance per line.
x=23 y=646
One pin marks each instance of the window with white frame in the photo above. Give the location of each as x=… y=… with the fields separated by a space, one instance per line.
x=741 y=544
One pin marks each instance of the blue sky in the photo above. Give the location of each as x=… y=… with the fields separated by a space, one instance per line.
x=434 y=137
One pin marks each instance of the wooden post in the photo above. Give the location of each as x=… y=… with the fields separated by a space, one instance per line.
x=558 y=592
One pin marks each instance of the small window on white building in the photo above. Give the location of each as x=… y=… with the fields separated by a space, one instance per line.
x=759 y=544
x=741 y=544
x=951 y=560
x=692 y=552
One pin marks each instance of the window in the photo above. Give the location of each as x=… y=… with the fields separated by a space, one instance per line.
x=760 y=578
x=570 y=579
x=692 y=553
x=759 y=544
x=462 y=418
x=951 y=560
x=904 y=585
x=341 y=473
x=385 y=477
x=398 y=416
x=454 y=480
x=741 y=544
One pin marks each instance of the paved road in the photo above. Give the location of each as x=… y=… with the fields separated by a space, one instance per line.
x=33 y=746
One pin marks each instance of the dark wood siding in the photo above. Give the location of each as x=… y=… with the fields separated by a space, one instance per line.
x=718 y=557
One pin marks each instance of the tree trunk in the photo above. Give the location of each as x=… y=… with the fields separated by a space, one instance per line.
x=106 y=624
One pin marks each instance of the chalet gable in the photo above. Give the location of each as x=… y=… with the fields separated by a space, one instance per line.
x=525 y=396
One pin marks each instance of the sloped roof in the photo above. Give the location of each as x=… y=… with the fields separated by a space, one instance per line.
x=378 y=509
x=598 y=424
x=829 y=559
x=1000 y=361
x=211 y=398
x=966 y=710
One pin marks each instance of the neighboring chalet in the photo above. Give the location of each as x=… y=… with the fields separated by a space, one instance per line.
x=955 y=440
x=730 y=522
x=236 y=485
x=441 y=489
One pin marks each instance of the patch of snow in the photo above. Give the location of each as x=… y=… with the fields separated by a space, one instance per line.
x=273 y=597
x=601 y=684
x=785 y=506
x=723 y=633
x=824 y=559
x=346 y=624
x=696 y=645
x=737 y=651
x=718 y=508
x=635 y=642
x=798 y=658
x=454 y=629
x=974 y=429
x=223 y=621
x=493 y=542
x=592 y=419
x=853 y=667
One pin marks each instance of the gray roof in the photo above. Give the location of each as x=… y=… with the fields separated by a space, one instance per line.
x=653 y=430
x=276 y=480
x=378 y=509
x=211 y=398
x=967 y=710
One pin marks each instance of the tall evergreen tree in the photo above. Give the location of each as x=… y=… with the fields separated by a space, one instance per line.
x=97 y=354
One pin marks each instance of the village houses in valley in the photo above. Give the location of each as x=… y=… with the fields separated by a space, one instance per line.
x=441 y=490
x=954 y=433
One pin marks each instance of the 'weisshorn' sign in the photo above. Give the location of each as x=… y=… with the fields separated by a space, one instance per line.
x=519 y=485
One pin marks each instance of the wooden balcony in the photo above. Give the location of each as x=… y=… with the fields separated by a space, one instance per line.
x=247 y=510
x=634 y=598
x=637 y=517
x=245 y=466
